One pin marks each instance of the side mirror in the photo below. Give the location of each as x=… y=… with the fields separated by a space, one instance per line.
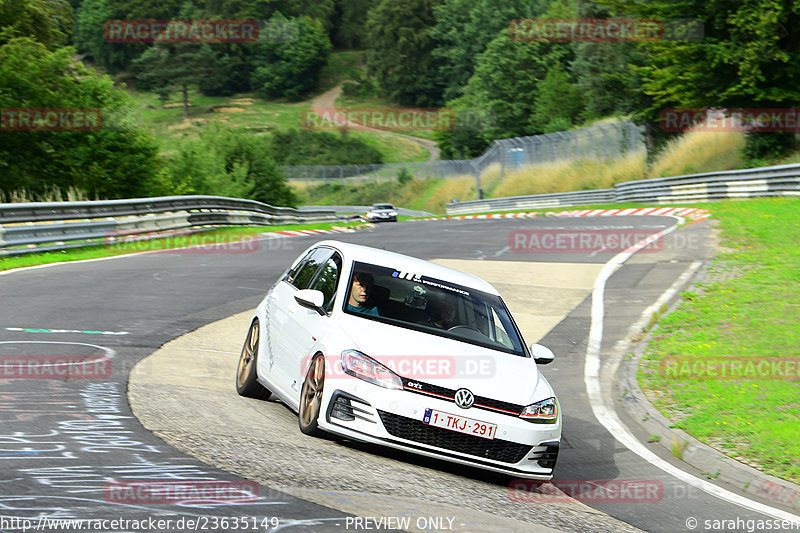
x=542 y=354
x=311 y=299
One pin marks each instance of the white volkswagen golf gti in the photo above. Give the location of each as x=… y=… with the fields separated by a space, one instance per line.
x=389 y=349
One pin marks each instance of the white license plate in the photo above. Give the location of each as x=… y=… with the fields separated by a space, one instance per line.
x=460 y=424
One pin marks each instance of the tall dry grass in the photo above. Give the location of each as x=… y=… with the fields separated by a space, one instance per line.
x=571 y=175
x=51 y=194
x=697 y=151
x=692 y=152
x=461 y=189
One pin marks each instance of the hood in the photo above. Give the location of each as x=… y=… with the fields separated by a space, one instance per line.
x=447 y=362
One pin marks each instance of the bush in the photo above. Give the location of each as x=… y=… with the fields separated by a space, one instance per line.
x=761 y=147
x=292 y=67
x=304 y=147
x=230 y=163
x=404 y=176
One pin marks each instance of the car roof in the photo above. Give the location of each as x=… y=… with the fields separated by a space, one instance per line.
x=406 y=263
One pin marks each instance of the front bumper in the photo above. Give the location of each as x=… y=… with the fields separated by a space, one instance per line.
x=382 y=218
x=369 y=413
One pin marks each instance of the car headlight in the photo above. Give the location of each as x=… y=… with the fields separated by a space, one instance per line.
x=364 y=367
x=392 y=213
x=544 y=412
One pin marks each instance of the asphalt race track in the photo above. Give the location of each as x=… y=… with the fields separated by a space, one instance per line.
x=66 y=445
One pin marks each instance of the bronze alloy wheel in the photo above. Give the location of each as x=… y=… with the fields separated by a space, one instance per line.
x=311 y=396
x=246 y=379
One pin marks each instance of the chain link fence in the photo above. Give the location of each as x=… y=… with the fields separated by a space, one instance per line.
x=604 y=141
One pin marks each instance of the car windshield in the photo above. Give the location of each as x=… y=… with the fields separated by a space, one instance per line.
x=383 y=206
x=442 y=308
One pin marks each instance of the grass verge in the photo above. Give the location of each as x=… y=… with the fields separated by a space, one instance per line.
x=741 y=322
x=240 y=236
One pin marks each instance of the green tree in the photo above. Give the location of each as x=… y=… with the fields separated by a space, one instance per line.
x=230 y=163
x=234 y=63
x=399 y=51
x=147 y=9
x=178 y=67
x=747 y=57
x=90 y=19
x=505 y=87
x=470 y=140
x=464 y=29
x=46 y=21
x=351 y=23
x=603 y=73
x=559 y=102
x=290 y=68
x=506 y=81
x=116 y=161
x=323 y=11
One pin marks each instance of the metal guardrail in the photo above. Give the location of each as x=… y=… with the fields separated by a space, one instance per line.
x=539 y=201
x=46 y=226
x=43 y=226
x=781 y=180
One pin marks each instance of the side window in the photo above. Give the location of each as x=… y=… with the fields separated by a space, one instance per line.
x=501 y=336
x=327 y=279
x=301 y=276
x=292 y=273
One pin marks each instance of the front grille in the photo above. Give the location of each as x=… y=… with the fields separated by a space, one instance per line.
x=443 y=393
x=414 y=430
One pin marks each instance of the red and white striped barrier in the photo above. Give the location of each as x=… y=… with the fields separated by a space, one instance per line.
x=687 y=212
x=304 y=232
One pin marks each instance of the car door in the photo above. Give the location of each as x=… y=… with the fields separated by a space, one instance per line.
x=307 y=325
x=283 y=311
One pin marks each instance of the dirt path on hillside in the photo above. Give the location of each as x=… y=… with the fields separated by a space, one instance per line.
x=327 y=100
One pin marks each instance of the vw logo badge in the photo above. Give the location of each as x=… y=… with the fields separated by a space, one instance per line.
x=464 y=398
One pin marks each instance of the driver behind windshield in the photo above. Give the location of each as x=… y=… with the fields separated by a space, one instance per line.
x=359 y=293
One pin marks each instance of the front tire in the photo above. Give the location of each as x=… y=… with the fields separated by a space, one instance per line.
x=311 y=397
x=246 y=378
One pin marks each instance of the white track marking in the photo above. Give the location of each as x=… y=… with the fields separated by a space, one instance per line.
x=607 y=416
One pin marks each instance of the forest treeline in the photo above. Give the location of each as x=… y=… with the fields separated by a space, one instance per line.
x=458 y=54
